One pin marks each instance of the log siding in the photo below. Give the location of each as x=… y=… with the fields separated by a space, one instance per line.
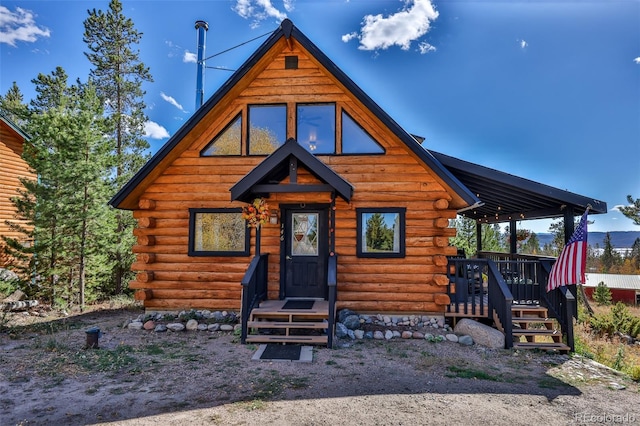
x=170 y=279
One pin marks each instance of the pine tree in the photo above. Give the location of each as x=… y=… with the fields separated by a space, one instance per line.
x=632 y=211
x=118 y=75
x=602 y=294
x=12 y=106
x=610 y=258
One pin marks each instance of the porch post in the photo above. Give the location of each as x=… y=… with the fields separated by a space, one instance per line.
x=258 y=233
x=568 y=224
x=478 y=237
x=513 y=243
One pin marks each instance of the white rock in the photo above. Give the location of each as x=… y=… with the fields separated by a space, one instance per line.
x=192 y=325
x=396 y=333
x=388 y=335
x=202 y=327
x=452 y=337
x=135 y=325
x=378 y=335
x=359 y=334
x=226 y=327
x=175 y=326
x=213 y=327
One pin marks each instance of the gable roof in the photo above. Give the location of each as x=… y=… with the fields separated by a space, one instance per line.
x=282 y=163
x=505 y=196
x=13 y=127
x=613 y=281
x=288 y=30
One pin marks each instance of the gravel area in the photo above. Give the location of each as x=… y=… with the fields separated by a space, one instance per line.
x=139 y=377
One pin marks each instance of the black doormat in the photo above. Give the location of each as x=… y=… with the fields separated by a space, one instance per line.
x=298 y=304
x=281 y=352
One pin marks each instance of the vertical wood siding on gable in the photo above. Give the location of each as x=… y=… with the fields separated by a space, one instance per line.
x=415 y=283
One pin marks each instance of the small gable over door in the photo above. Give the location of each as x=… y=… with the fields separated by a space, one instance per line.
x=282 y=163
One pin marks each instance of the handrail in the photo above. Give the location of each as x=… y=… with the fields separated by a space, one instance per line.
x=500 y=301
x=496 y=255
x=332 y=283
x=254 y=290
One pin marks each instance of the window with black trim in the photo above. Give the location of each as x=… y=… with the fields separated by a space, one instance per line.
x=267 y=128
x=316 y=127
x=356 y=140
x=218 y=232
x=227 y=142
x=380 y=232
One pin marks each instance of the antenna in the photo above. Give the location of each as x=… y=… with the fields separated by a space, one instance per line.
x=202 y=27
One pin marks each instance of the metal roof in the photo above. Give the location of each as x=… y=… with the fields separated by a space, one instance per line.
x=13 y=126
x=507 y=197
x=619 y=282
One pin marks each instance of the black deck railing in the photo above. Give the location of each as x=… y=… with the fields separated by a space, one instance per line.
x=332 y=283
x=500 y=301
x=509 y=279
x=254 y=290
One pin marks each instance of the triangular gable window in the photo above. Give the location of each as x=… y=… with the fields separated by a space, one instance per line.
x=227 y=142
x=356 y=140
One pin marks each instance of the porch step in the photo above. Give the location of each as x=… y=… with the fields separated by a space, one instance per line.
x=262 y=338
x=292 y=325
x=560 y=347
x=286 y=324
x=538 y=330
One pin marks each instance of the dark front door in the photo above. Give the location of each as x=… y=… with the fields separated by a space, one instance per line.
x=305 y=248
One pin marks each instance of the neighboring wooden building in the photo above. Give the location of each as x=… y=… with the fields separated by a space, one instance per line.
x=12 y=169
x=359 y=211
x=624 y=288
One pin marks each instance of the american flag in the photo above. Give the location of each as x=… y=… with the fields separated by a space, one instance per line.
x=569 y=268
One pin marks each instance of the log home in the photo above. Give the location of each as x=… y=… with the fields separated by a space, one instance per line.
x=358 y=211
x=12 y=169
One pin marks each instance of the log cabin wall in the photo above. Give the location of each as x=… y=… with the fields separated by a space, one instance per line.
x=12 y=168
x=170 y=279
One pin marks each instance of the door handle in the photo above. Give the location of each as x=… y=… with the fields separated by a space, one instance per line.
x=288 y=257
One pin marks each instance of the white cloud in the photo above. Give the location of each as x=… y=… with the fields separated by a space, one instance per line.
x=259 y=10
x=399 y=29
x=19 y=26
x=172 y=101
x=155 y=131
x=424 y=47
x=616 y=208
x=523 y=44
x=637 y=60
x=189 y=57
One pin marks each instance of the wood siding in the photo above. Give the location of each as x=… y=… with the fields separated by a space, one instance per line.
x=169 y=279
x=12 y=168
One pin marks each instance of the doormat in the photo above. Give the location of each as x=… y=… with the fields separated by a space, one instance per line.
x=298 y=304
x=277 y=352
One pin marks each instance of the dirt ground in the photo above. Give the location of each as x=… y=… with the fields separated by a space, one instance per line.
x=137 y=377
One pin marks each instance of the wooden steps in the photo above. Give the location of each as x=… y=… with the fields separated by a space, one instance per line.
x=272 y=323
x=533 y=329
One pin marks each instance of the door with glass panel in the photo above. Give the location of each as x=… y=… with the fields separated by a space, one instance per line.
x=305 y=243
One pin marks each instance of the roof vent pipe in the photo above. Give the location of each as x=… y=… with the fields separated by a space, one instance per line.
x=202 y=27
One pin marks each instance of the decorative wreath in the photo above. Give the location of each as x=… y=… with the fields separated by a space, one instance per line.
x=256 y=213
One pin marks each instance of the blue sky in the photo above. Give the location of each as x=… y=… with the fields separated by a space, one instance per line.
x=546 y=90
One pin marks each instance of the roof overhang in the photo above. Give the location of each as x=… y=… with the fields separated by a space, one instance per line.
x=506 y=197
x=284 y=162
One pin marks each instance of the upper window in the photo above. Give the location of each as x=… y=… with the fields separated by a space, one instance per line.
x=218 y=232
x=380 y=232
x=267 y=128
x=316 y=127
x=355 y=140
x=228 y=142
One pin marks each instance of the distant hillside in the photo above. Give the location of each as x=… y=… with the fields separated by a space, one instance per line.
x=619 y=239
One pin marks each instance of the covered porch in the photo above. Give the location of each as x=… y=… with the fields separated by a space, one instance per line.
x=508 y=290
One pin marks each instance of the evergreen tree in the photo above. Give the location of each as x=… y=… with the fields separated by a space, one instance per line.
x=602 y=294
x=632 y=211
x=466 y=236
x=12 y=106
x=531 y=245
x=118 y=75
x=610 y=257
